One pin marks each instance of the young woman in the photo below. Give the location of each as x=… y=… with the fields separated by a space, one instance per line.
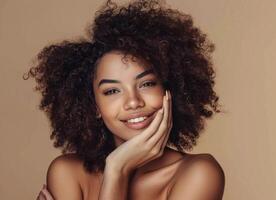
x=125 y=104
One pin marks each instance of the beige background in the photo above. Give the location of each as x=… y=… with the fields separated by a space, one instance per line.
x=242 y=139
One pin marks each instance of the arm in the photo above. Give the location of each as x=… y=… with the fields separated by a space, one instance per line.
x=61 y=180
x=114 y=185
x=202 y=179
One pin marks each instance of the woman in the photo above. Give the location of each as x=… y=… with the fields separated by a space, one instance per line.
x=122 y=102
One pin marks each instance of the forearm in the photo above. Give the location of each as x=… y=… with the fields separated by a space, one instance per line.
x=114 y=185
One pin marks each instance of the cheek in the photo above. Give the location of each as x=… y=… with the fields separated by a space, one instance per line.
x=109 y=110
x=155 y=101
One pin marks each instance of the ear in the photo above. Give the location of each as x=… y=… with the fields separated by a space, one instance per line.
x=98 y=112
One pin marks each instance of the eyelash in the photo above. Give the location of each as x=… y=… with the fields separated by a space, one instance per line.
x=150 y=82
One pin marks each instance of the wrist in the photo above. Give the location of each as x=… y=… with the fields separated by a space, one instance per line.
x=113 y=169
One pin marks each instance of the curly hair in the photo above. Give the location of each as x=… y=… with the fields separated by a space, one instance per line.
x=179 y=52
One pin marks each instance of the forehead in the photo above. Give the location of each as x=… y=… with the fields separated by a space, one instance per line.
x=116 y=64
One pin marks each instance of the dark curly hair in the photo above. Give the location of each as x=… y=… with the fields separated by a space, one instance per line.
x=147 y=29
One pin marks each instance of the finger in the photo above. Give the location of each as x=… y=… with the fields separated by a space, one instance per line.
x=170 y=109
x=163 y=125
x=41 y=196
x=145 y=135
x=163 y=141
x=47 y=194
x=170 y=122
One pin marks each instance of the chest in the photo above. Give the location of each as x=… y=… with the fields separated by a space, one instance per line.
x=152 y=185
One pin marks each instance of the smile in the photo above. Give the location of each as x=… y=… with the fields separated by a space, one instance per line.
x=136 y=120
x=139 y=123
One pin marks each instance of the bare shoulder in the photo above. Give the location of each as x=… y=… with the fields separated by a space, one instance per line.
x=203 y=162
x=63 y=177
x=200 y=177
x=67 y=164
x=70 y=160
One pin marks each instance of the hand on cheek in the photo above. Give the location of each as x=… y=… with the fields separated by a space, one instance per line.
x=146 y=146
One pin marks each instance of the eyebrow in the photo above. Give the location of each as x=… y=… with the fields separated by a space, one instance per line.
x=144 y=73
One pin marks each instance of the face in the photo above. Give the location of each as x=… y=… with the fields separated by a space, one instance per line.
x=125 y=89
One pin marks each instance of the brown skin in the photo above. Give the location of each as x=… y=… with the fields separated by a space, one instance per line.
x=129 y=96
x=141 y=155
x=142 y=145
x=174 y=176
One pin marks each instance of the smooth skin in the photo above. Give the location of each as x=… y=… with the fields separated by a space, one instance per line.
x=146 y=146
x=200 y=177
x=134 y=153
x=116 y=101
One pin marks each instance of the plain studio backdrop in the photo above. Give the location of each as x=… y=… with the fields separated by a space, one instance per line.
x=242 y=139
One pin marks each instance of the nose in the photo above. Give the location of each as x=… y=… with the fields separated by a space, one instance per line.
x=134 y=101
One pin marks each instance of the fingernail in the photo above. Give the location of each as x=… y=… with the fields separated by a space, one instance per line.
x=161 y=110
x=167 y=97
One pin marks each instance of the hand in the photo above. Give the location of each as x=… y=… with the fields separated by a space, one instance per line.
x=44 y=194
x=146 y=146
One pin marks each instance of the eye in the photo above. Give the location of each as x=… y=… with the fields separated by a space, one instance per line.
x=150 y=83
x=113 y=91
x=109 y=92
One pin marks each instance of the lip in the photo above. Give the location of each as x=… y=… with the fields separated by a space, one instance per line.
x=136 y=115
x=140 y=125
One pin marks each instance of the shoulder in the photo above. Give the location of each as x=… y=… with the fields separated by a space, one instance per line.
x=200 y=177
x=63 y=177
x=67 y=164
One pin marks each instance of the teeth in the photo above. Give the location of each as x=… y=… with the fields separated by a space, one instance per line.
x=139 y=119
